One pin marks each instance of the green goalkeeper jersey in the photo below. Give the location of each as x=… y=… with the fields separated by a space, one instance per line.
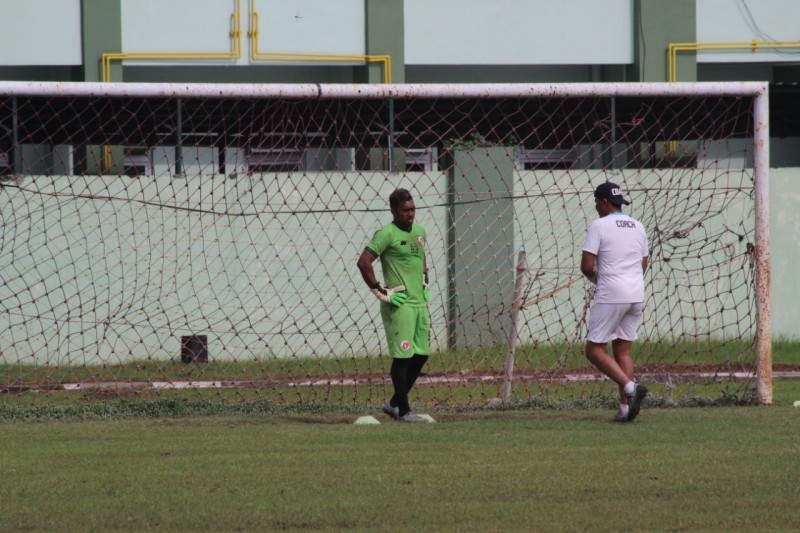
x=402 y=256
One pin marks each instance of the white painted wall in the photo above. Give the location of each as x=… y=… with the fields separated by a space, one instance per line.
x=40 y=32
x=748 y=20
x=784 y=197
x=518 y=32
x=312 y=26
x=166 y=264
x=447 y=32
x=294 y=26
x=177 y=25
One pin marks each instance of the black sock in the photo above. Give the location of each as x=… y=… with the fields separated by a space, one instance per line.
x=399 y=374
x=411 y=368
x=415 y=368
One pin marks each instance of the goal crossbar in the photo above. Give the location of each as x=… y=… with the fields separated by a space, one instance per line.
x=361 y=91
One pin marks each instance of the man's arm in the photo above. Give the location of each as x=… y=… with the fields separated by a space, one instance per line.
x=589 y=265
x=426 y=292
x=645 y=262
x=394 y=296
x=365 y=266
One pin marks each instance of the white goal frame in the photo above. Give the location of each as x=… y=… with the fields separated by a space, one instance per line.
x=756 y=90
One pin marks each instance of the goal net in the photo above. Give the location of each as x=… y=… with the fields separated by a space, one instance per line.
x=202 y=240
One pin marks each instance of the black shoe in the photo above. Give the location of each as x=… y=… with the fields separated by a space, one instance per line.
x=635 y=401
x=620 y=418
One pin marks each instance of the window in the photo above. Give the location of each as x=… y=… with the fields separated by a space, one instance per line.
x=269 y=160
x=557 y=158
x=419 y=159
x=5 y=165
x=137 y=161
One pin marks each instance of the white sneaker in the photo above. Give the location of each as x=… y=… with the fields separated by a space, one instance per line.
x=411 y=417
x=394 y=412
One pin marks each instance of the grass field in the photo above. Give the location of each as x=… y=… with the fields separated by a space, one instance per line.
x=698 y=469
x=454 y=378
x=543 y=357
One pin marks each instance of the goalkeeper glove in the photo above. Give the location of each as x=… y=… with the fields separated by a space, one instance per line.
x=426 y=292
x=394 y=296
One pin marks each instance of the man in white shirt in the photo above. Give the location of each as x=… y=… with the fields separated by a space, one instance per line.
x=614 y=257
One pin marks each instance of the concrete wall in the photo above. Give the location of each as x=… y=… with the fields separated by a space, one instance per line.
x=40 y=32
x=110 y=269
x=510 y=32
x=295 y=26
x=785 y=248
x=728 y=20
x=438 y=41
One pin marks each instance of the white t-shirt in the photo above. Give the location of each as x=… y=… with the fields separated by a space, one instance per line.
x=620 y=244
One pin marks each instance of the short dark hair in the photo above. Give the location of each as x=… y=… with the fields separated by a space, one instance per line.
x=398 y=197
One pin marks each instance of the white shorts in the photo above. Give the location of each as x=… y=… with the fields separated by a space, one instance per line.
x=608 y=322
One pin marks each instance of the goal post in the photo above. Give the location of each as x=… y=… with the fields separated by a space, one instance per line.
x=200 y=237
x=762 y=247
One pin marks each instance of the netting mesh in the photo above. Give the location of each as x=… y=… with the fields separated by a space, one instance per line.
x=163 y=243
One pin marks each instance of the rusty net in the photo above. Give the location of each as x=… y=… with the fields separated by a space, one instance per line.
x=206 y=244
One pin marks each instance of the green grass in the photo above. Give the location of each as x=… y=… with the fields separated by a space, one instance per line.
x=534 y=356
x=126 y=403
x=698 y=469
x=35 y=389
x=786 y=351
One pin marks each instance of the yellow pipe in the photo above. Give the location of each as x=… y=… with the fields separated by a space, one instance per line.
x=674 y=48
x=753 y=46
x=257 y=55
x=235 y=53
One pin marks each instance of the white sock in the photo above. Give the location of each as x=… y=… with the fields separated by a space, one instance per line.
x=623 y=409
x=630 y=387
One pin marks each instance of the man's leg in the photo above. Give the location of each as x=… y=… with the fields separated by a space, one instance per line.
x=597 y=355
x=415 y=368
x=399 y=325
x=400 y=377
x=422 y=325
x=622 y=355
x=603 y=322
x=411 y=369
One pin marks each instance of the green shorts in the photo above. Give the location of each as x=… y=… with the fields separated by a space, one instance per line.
x=407 y=330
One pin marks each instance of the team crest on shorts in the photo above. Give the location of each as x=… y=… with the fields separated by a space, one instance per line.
x=405 y=345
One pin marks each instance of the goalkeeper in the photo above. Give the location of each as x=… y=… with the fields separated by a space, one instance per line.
x=404 y=308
